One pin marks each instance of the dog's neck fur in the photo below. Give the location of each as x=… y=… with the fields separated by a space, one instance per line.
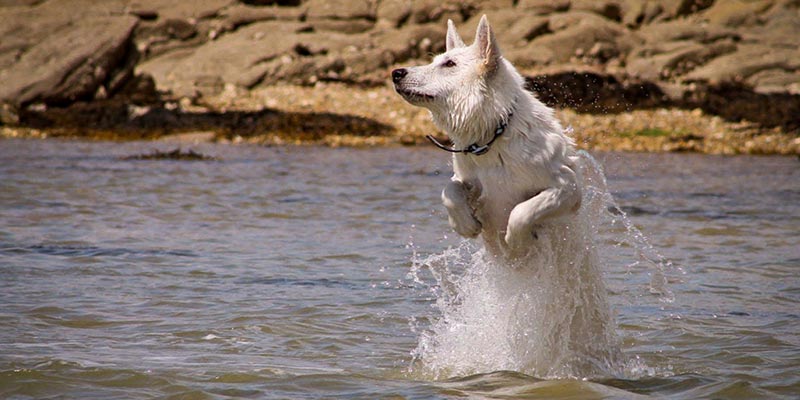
x=503 y=94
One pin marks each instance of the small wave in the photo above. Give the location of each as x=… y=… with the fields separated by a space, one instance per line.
x=55 y=376
x=631 y=210
x=91 y=251
x=514 y=385
x=319 y=282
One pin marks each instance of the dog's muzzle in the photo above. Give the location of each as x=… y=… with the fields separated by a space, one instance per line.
x=409 y=93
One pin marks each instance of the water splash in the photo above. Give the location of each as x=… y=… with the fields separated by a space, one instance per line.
x=549 y=320
x=607 y=213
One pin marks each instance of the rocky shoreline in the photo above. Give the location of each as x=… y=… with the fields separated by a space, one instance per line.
x=706 y=76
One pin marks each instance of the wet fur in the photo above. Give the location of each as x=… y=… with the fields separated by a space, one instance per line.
x=528 y=179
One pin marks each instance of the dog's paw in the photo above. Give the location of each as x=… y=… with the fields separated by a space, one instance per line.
x=473 y=190
x=465 y=225
x=520 y=239
x=457 y=198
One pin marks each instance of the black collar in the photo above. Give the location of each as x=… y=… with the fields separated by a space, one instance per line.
x=475 y=148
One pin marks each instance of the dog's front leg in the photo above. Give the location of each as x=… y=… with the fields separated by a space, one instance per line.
x=549 y=203
x=459 y=197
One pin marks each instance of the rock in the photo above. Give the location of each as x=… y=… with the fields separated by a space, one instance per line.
x=394 y=12
x=775 y=80
x=425 y=11
x=69 y=64
x=746 y=61
x=532 y=55
x=24 y=27
x=9 y=115
x=18 y=3
x=343 y=26
x=611 y=9
x=272 y=2
x=139 y=90
x=575 y=34
x=636 y=13
x=488 y=5
x=177 y=154
x=357 y=66
x=561 y=21
x=735 y=13
x=240 y=15
x=685 y=29
x=341 y=15
x=544 y=6
x=340 y=9
x=408 y=42
x=248 y=56
x=167 y=9
x=144 y=13
x=528 y=29
x=175 y=28
x=656 y=62
x=781 y=27
x=676 y=8
x=235 y=58
x=75 y=9
x=513 y=28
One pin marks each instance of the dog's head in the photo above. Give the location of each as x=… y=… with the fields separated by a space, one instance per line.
x=453 y=74
x=464 y=85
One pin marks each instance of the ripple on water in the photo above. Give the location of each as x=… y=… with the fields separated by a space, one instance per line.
x=66 y=250
x=52 y=377
x=281 y=273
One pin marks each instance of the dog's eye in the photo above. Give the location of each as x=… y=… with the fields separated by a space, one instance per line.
x=449 y=64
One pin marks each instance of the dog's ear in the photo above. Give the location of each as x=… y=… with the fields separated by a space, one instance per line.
x=453 y=40
x=486 y=45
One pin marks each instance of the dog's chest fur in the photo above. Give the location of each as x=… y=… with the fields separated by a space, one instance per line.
x=513 y=171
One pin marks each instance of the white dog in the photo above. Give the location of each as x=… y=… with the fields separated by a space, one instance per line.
x=514 y=170
x=516 y=184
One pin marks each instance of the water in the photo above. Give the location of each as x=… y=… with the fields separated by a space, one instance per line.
x=547 y=315
x=294 y=273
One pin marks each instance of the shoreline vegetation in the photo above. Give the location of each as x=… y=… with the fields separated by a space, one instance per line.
x=337 y=114
x=707 y=76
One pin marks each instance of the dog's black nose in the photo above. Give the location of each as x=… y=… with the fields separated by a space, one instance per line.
x=399 y=74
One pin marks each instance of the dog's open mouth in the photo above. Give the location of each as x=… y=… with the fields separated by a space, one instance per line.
x=413 y=95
